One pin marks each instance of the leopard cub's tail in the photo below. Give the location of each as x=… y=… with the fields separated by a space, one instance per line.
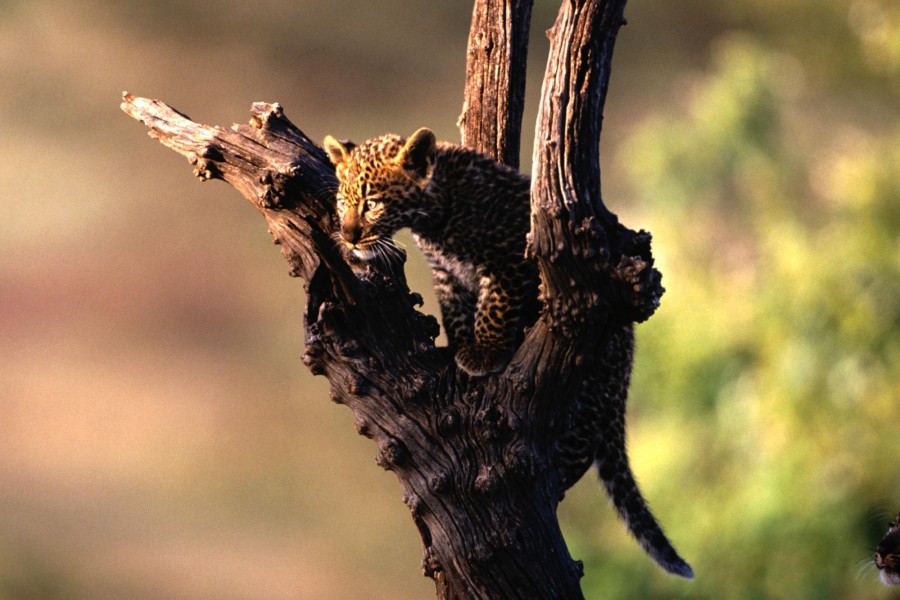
x=631 y=506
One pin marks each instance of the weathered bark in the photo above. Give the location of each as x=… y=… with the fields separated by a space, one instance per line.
x=474 y=456
x=594 y=270
x=496 y=57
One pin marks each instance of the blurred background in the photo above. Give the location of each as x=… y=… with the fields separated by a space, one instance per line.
x=160 y=438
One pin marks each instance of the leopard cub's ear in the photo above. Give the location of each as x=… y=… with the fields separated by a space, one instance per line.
x=338 y=151
x=417 y=155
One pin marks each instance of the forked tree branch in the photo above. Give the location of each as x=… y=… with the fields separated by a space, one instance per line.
x=475 y=456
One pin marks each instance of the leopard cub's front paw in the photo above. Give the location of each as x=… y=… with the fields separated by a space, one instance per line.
x=480 y=360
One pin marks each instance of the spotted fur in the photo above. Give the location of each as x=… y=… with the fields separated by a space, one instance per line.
x=470 y=216
x=596 y=435
x=887 y=554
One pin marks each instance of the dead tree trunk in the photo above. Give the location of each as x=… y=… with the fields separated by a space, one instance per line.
x=474 y=456
x=496 y=57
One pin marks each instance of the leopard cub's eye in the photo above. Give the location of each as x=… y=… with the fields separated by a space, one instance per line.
x=372 y=204
x=341 y=203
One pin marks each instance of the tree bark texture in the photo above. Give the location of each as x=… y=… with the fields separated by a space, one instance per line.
x=474 y=456
x=600 y=270
x=496 y=57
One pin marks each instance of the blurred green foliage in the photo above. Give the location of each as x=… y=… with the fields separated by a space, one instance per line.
x=766 y=386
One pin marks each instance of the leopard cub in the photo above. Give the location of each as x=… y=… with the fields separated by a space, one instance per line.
x=468 y=214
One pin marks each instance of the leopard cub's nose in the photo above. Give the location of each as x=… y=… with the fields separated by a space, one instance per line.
x=351 y=233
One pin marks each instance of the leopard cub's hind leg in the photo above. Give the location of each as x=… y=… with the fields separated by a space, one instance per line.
x=496 y=318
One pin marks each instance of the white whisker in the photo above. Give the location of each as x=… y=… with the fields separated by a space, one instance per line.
x=865 y=566
x=390 y=248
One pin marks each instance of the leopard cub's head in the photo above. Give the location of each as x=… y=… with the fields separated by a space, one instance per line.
x=382 y=184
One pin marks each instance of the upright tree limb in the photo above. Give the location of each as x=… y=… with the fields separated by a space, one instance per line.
x=496 y=57
x=593 y=268
x=475 y=457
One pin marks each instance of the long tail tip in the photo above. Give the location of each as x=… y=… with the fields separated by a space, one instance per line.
x=658 y=547
x=680 y=568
